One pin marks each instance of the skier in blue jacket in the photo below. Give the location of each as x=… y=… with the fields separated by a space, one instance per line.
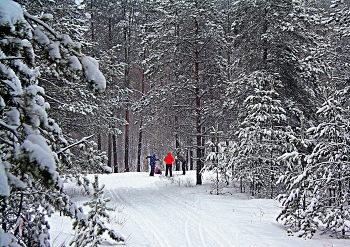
x=152 y=163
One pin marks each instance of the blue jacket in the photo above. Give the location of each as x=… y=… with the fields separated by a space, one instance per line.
x=152 y=160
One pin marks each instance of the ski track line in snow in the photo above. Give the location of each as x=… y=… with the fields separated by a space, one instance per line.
x=152 y=215
x=169 y=201
x=155 y=233
x=147 y=224
x=201 y=235
x=117 y=199
x=224 y=242
x=187 y=235
x=190 y=215
x=165 y=201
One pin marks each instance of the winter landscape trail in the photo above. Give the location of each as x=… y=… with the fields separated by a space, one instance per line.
x=159 y=212
x=176 y=213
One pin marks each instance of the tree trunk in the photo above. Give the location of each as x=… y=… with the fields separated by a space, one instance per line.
x=127 y=85
x=115 y=154
x=92 y=22
x=191 y=160
x=126 y=157
x=177 y=146
x=187 y=159
x=139 y=145
x=110 y=144
x=199 y=161
x=241 y=184
x=139 y=148
x=198 y=104
x=110 y=36
x=99 y=142
x=265 y=52
x=228 y=65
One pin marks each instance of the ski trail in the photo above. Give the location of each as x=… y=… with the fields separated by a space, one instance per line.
x=142 y=203
x=188 y=220
x=209 y=230
x=145 y=223
x=200 y=230
x=187 y=235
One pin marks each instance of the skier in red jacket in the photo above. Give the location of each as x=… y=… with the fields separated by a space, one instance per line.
x=169 y=159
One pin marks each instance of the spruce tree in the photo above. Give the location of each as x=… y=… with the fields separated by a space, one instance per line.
x=318 y=179
x=261 y=137
x=91 y=234
x=31 y=141
x=321 y=190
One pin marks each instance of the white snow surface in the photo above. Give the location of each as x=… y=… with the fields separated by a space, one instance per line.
x=156 y=211
x=10 y=13
x=4 y=188
x=93 y=74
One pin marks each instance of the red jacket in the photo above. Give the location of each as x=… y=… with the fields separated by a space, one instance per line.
x=169 y=159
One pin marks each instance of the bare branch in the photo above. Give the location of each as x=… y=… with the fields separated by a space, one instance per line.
x=10 y=58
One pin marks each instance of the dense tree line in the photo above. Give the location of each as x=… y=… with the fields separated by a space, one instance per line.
x=271 y=76
x=35 y=155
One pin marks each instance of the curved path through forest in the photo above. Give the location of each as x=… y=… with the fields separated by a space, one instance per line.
x=165 y=213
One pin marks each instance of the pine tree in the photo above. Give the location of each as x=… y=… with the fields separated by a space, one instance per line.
x=216 y=162
x=277 y=36
x=91 y=234
x=262 y=137
x=316 y=184
x=294 y=200
x=320 y=190
x=31 y=187
x=191 y=70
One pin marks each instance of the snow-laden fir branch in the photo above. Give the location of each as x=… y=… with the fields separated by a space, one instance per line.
x=35 y=19
x=84 y=139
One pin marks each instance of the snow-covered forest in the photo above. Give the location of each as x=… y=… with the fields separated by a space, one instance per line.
x=255 y=91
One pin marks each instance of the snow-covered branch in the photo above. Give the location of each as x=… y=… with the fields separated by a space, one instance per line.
x=75 y=144
x=38 y=21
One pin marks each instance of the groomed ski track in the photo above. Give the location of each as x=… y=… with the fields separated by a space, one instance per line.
x=165 y=213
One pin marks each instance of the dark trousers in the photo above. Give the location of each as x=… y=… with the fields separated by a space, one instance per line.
x=170 y=169
x=152 y=171
x=184 y=164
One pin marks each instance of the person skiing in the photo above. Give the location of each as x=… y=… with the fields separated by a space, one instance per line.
x=184 y=163
x=169 y=159
x=152 y=163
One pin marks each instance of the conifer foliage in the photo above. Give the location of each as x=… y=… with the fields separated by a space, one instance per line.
x=318 y=180
x=30 y=141
x=318 y=197
x=91 y=234
x=261 y=137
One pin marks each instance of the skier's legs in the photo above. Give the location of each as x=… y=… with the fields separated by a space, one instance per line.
x=152 y=171
x=171 y=170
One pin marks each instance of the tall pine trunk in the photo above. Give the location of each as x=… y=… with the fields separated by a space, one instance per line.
x=139 y=145
x=127 y=85
x=126 y=147
x=99 y=142
x=199 y=151
x=110 y=144
x=177 y=147
x=115 y=154
x=139 y=149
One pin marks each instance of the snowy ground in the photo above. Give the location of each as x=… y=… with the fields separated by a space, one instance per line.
x=153 y=211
